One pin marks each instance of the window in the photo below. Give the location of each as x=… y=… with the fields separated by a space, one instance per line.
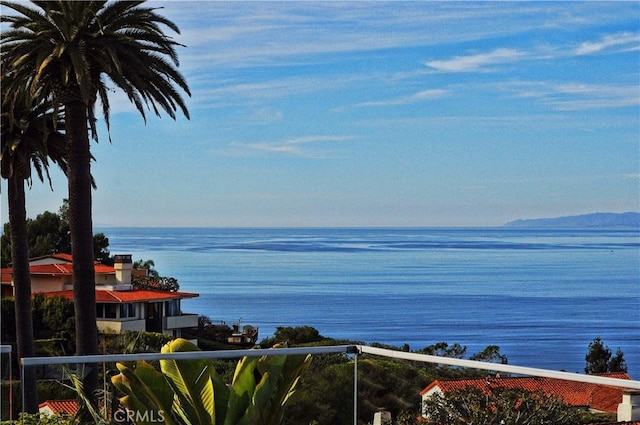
x=172 y=308
x=127 y=310
x=110 y=311
x=106 y=311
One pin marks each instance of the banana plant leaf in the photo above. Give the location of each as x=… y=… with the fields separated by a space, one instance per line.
x=191 y=380
x=275 y=379
x=242 y=388
x=145 y=388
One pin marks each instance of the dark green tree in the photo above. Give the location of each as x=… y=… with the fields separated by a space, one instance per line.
x=101 y=249
x=293 y=336
x=297 y=335
x=65 y=49
x=53 y=317
x=48 y=233
x=617 y=362
x=443 y=349
x=599 y=359
x=490 y=354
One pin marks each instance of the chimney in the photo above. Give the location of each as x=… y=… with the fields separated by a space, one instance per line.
x=123 y=265
x=629 y=409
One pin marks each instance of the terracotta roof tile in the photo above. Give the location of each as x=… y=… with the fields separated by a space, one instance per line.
x=134 y=295
x=56 y=269
x=59 y=256
x=59 y=406
x=52 y=269
x=599 y=397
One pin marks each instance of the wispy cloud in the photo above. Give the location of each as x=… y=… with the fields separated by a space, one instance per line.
x=477 y=62
x=303 y=146
x=574 y=96
x=255 y=93
x=264 y=115
x=421 y=96
x=624 y=41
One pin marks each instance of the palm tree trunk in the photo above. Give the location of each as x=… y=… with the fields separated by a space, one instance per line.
x=22 y=285
x=80 y=224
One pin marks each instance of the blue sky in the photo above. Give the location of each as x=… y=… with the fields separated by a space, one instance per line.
x=381 y=114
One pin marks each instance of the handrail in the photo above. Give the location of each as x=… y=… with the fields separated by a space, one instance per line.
x=183 y=355
x=520 y=370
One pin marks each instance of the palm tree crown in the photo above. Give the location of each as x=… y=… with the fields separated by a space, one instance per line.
x=72 y=45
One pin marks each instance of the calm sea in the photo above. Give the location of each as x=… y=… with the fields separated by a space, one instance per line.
x=541 y=295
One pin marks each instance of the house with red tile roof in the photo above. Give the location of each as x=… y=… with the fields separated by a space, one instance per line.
x=56 y=407
x=119 y=306
x=593 y=397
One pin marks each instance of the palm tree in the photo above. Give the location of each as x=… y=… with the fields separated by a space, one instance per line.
x=29 y=138
x=146 y=264
x=66 y=48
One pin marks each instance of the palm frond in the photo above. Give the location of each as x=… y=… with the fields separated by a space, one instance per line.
x=65 y=49
x=30 y=132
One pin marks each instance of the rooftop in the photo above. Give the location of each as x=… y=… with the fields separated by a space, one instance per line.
x=59 y=406
x=133 y=295
x=599 y=397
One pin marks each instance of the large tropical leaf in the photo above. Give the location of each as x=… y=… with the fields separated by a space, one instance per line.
x=242 y=388
x=192 y=382
x=145 y=389
x=280 y=377
x=270 y=381
x=221 y=397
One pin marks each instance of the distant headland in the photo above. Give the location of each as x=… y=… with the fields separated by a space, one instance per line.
x=601 y=220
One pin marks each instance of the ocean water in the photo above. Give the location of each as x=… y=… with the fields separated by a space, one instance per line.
x=541 y=295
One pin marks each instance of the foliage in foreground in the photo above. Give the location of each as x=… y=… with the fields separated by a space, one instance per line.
x=502 y=405
x=42 y=419
x=191 y=391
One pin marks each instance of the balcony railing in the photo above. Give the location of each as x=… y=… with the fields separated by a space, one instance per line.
x=182 y=321
x=354 y=350
x=119 y=326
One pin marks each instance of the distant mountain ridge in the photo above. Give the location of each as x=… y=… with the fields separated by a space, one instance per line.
x=603 y=220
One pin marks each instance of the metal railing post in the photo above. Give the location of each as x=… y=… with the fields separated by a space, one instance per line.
x=23 y=389
x=355 y=390
x=356 y=351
